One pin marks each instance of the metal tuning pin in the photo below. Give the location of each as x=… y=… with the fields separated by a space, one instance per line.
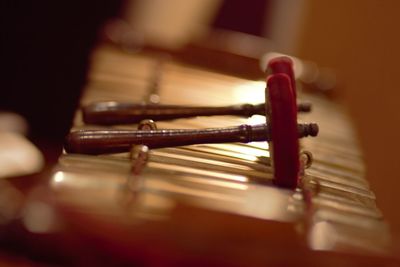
x=109 y=113
x=310 y=187
x=147 y=125
x=139 y=156
x=116 y=141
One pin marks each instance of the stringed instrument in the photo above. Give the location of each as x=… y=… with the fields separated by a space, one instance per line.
x=210 y=200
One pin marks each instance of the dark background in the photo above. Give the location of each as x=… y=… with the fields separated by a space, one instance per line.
x=45 y=49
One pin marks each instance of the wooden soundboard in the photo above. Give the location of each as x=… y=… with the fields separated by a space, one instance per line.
x=214 y=204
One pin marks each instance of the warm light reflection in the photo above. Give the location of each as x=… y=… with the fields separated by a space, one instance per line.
x=256 y=119
x=226 y=153
x=87 y=181
x=215 y=183
x=322 y=236
x=195 y=160
x=166 y=186
x=218 y=175
x=58 y=177
x=268 y=203
x=252 y=92
x=243 y=150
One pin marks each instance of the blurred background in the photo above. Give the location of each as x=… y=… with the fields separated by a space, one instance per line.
x=358 y=40
x=351 y=49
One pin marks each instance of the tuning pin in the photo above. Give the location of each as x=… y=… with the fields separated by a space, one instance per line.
x=139 y=157
x=115 y=141
x=110 y=112
x=309 y=186
x=147 y=125
x=139 y=154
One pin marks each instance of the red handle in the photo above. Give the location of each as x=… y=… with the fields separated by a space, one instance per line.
x=282 y=117
x=283 y=65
